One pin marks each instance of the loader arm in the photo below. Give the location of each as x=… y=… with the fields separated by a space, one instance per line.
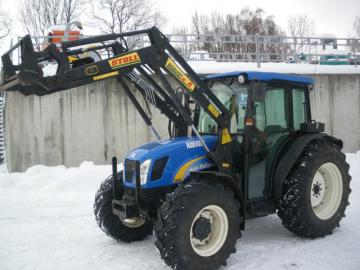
x=138 y=66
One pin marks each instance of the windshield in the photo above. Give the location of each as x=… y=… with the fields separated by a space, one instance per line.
x=234 y=96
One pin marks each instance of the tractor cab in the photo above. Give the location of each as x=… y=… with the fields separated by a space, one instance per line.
x=266 y=108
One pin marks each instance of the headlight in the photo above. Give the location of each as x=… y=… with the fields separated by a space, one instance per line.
x=144 y=169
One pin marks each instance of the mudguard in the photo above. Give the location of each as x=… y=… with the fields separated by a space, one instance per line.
x=288 y=159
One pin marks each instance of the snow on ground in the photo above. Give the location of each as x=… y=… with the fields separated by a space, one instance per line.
x=46 y=222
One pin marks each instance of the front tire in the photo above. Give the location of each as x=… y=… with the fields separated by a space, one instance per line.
x=198 y=226
x=316 y=192
x=110 y=224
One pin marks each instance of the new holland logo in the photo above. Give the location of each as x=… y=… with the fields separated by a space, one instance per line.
x=176 y=71
x=125 y=60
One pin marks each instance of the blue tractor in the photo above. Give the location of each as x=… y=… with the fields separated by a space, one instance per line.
x=241 y=145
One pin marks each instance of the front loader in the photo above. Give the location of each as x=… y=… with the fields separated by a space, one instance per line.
x=241 y=145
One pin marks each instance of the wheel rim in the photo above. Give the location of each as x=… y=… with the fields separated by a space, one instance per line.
x=208 y=242
x=133 y=222
x=326 y=191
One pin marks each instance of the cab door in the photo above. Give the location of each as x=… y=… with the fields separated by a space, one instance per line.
x=271 y=125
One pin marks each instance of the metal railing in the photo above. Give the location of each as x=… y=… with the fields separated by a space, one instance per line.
x=261 y=49
x=255 y=48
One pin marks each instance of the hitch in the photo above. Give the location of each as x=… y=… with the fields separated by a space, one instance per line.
x=131 y=204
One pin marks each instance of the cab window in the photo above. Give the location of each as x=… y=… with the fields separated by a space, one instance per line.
x=234 y=97
x=299 y=109
x=272 y=114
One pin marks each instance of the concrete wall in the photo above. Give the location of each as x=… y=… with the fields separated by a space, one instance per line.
x=98 y=121
x=336 y=102
x=94 y=123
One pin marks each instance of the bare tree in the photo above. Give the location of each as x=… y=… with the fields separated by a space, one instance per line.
x=116 y=16
x=356 y=26
x=71 y=8
x=181 y=44
x=354 y=43
x=252 y=21
x=37 y=16
x=5 y=23
x=200 y=27
x=218 y=27
x=300 y=26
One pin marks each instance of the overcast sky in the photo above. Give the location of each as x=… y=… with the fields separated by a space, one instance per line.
x=330 y=16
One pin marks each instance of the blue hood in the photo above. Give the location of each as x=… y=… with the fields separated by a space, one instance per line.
x=184 y=154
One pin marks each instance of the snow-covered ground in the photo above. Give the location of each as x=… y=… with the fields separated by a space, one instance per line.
x=46 y=222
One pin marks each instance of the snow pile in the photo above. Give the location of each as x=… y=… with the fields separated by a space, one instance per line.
x=46 y=221
x=210 y=67
x=207 y=67
x=56 y=183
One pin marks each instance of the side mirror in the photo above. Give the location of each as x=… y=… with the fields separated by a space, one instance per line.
x=258 y=91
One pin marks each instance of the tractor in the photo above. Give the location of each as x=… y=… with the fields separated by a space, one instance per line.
x=241 y=145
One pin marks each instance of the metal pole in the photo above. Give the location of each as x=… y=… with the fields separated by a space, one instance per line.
x=257 y=49
x=354 y=49
x=155 y=132
x=66 y=32
x=200 y=138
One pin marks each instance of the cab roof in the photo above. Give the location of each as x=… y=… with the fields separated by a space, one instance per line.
x=265 y=77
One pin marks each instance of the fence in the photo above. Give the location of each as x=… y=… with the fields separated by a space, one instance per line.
x=259 y=49
x=254 y=48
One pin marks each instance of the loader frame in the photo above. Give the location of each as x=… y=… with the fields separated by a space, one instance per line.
x=129 y=66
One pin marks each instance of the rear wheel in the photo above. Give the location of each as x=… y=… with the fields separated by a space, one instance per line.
x=316 y=192
x=198 y=226
x=127 y=230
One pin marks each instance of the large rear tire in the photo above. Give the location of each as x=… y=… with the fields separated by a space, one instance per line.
x=198 y=226
x=316 y=192
x=110 y=224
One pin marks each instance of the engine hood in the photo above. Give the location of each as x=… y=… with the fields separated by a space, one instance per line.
x=182 y=155
x=188 y=146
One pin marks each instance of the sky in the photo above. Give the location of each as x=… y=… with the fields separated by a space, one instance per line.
x=330 y=16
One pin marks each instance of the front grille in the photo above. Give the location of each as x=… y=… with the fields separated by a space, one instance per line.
x=158 y=168
x=129 y=170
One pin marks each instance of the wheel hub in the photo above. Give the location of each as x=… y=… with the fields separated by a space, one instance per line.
x=209 y=230
x=316 y=189
x=202 y=228
x=326 y=191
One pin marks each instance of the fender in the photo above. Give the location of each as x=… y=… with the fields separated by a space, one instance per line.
x=288 y=159
x=230 y=181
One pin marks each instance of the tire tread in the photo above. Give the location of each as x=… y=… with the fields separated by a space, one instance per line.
x=291 y=206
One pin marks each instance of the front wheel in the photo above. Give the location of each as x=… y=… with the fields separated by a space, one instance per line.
x=316 y=192
x=198 y=226
x=127 y=230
